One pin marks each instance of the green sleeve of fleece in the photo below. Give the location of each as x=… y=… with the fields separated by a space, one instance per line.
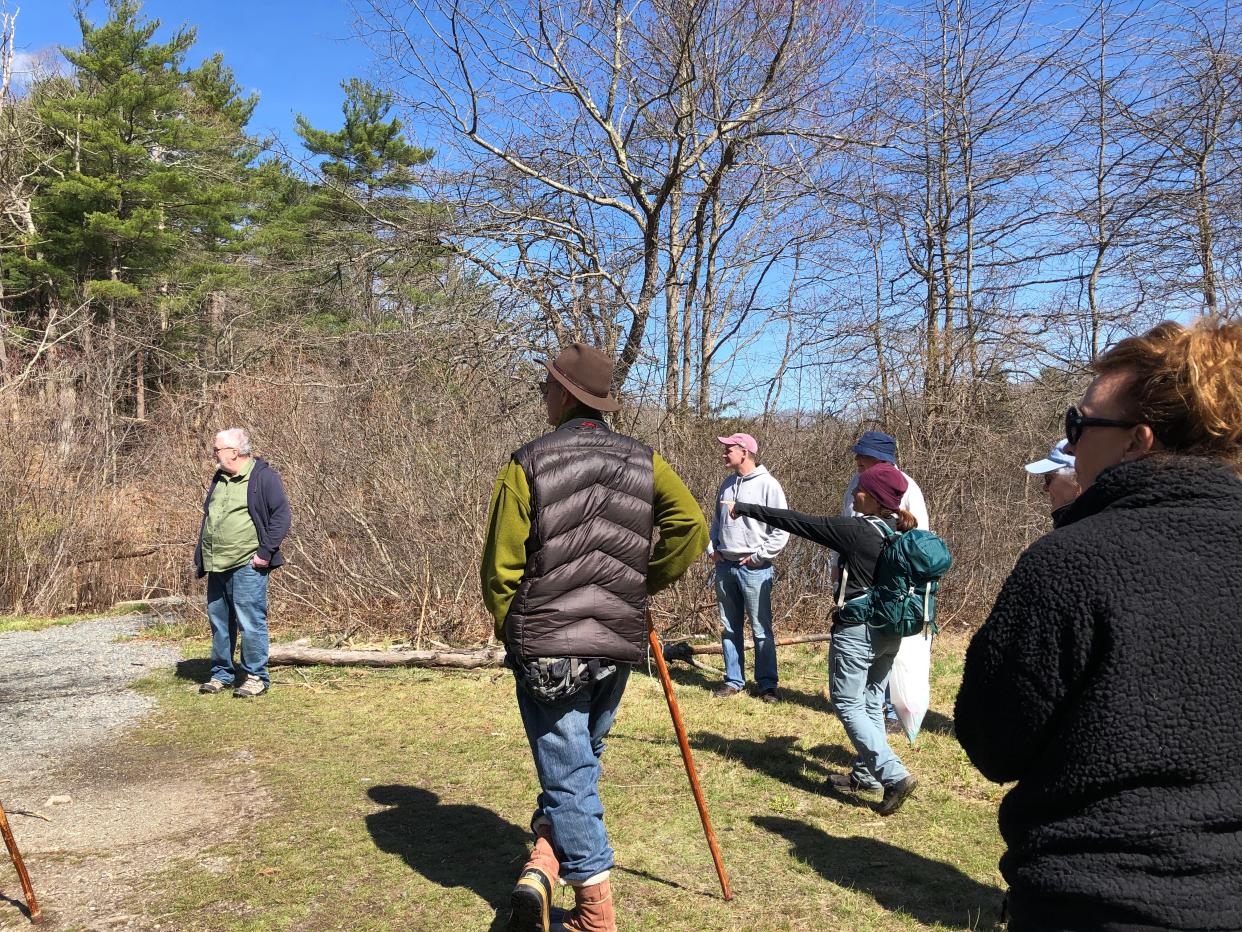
x=504 y=550
x=683 y=531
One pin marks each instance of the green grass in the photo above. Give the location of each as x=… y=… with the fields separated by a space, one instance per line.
x=400 y=800
x=40 y=622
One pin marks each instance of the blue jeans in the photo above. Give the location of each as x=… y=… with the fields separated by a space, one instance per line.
x=567 y=738
x=237 y=601
x=859 y=663
x=740 y=590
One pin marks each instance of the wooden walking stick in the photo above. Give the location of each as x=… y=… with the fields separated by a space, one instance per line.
x=680 y=727
x=11 y=843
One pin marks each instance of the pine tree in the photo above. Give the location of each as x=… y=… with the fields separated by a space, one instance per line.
x=366 y=199
x=140 y=209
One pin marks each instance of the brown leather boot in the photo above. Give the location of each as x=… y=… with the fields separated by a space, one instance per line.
x=592 y=910
x=531 y=900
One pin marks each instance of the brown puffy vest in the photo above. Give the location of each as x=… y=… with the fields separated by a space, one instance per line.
x=584 y=592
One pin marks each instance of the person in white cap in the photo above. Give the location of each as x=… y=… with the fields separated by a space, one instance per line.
x=1060 y=477
x=742 y=552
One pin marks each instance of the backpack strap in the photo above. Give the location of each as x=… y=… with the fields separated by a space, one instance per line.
x=880 y=525
x=885 y=531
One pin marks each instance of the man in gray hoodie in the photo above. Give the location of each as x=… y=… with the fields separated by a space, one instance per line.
x=742 y=551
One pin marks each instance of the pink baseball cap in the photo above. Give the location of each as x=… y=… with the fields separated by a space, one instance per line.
x=745 y=441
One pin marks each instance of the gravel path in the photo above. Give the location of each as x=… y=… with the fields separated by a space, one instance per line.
x=62 y=690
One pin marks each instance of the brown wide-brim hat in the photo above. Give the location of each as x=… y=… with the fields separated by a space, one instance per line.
x=585 y=373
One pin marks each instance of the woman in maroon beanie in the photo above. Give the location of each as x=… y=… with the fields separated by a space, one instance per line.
x=859 y=660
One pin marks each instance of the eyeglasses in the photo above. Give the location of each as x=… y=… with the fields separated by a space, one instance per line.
x=220 y=449
x=1075 y=421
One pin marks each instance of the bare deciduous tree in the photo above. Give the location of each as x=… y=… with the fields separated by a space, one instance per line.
x=610 y=152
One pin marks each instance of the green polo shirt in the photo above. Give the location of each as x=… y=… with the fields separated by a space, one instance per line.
x=229 y=536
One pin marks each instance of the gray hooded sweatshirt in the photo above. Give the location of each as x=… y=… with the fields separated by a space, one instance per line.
x=735 y=538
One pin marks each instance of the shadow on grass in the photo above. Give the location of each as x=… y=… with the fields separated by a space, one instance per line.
x=683 y=676
x=937 y=724
x=196 y=670
x=453 y=846
x=692 y=678
x=930 y=891
x=780 y=758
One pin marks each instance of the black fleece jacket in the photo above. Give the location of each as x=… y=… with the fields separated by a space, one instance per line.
x=1107 y=682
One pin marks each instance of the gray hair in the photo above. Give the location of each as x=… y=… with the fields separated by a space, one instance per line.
x=238 y=438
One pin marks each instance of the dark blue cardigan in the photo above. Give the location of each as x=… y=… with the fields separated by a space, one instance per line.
x=269 y=510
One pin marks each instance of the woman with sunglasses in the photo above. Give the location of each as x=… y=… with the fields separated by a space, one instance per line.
x=859 y=660
x=1060 y=480
x=1107 y=682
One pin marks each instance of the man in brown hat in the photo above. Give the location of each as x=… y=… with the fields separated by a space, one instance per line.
x=566 y=572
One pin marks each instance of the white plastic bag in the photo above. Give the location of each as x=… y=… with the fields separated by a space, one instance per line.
x=910 y=682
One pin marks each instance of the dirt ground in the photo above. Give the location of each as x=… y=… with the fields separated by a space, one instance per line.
x=111 y=810
x=130 y=812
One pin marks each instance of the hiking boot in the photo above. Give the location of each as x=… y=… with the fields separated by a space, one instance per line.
x=849 y=783
x=726 y=691
x=592 y=910
x=251 y=687
x=895 y=794
x=211 y=687
x=531 y=900
x=769 y=696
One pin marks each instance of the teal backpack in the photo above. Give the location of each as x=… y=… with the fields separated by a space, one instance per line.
x=902 y=600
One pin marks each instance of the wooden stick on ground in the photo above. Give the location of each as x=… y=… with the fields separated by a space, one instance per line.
x=11 y=843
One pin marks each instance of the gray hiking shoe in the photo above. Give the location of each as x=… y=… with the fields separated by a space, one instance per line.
x=847 y=782
x=895 y=794
x=211 y=687
x=253 y=686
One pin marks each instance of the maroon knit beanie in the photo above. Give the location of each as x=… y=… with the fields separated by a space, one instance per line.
x=885 y=483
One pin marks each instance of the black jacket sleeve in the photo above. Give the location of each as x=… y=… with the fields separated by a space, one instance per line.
x=838 y=533
x=1024 y=665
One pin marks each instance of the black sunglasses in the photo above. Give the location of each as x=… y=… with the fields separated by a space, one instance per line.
x=1075 y=421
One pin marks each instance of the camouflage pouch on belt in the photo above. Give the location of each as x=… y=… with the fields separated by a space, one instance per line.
x=550 y=679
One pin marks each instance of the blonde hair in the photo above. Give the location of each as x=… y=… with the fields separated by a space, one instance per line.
x=1186 y=385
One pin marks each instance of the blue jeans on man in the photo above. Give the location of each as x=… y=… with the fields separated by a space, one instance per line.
x=859 y=663
x=567 y=738
x=742 y=591
x=237 y=604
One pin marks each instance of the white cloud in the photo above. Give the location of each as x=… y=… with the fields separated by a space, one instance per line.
x=40 y=63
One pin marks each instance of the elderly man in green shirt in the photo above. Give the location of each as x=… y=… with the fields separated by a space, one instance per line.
x=567 y=569
x=245 y=520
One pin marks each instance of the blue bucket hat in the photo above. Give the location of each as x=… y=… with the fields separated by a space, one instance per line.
x=878 y=445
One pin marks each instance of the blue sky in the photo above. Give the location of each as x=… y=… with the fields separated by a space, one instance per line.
x=294 y=54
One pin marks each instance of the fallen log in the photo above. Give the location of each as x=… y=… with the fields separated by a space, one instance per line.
x=684 y=650
x=296 y=655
